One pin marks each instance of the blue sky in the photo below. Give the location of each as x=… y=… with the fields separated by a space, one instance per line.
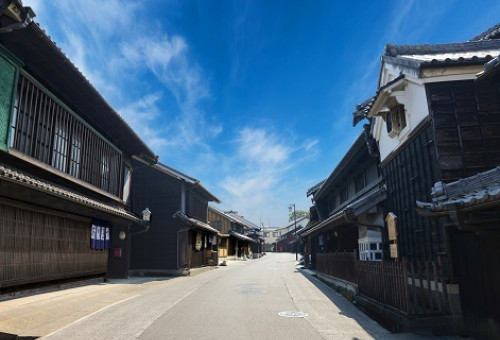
x=253 y=98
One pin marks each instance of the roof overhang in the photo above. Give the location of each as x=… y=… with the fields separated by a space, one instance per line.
x=354 y=151
x=329 y=223
x=41 y=57
x=242 y=237
x=390 y=94
x=491 y=70
x=195 y=184
x=56 y=197
x=194 y=223
x=367 y=202
x=350 y=212
x=473 y=203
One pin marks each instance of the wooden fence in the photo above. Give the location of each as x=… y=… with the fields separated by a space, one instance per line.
x=339 y=265
x=384 y=282
x=415 y=289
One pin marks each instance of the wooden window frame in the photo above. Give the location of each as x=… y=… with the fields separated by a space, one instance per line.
x=45 y=129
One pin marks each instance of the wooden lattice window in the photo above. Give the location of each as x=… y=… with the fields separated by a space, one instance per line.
x=45 y=129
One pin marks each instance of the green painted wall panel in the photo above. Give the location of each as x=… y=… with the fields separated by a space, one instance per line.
x=7 y=82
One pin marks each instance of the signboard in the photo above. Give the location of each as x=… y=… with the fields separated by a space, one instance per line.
x=392 y=221
x=394 y=250
x=392 y=233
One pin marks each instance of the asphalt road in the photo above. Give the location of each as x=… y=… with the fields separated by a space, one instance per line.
x=240 y=301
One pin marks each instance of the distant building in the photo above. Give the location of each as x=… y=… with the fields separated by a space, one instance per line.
x=180 y=237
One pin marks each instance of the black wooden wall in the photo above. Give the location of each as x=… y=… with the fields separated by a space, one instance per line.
x=157 y=248
x=466 y=117
x=461 y=139
x=409 y=176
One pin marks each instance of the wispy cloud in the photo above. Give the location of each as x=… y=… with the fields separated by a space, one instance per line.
x=152 y=79
x=262 y=148
x=263 y=182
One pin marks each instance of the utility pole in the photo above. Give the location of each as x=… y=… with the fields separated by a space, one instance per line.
x=295 y=222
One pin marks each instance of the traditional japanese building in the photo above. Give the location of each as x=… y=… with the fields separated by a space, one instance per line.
x=180 y=237
x=65 y=164
x=235 y=243
x=438 y=128
x=348 y=211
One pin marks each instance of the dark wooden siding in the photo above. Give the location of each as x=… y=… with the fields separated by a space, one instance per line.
x=219 y=222
x=466 y=118
x=478 y=271
x=36 y=246
x=197 y=207
x=409 y=176
x=161 y=193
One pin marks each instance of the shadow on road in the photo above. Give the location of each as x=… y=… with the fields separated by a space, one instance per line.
x=347 y=308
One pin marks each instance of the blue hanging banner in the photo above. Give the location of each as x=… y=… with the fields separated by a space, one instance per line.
x=93 y=234
x=107 y=244
x=100 y=236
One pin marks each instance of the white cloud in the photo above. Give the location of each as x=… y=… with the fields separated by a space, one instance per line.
x=261 y=147
x=161 y=92
x=259 y=177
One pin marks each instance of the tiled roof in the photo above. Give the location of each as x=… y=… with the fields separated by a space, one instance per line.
x=194 y=222
x=312 y=190
x=241 y=220
x=350 y=155
x=292 y=223
x=491 y=70
x=469 y=193
x=363 y=109
x=465 y=47
x=491 y=33
x=336 y=219
x=47 y=61
x=355 y=208
x=183 y=177
x=242 y=237
x=365 y=203
x=419 y=56
x=12 y=175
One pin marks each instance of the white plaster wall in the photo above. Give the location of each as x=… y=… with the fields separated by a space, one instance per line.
x=415 y=100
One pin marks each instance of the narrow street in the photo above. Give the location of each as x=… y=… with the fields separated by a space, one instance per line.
x=240 y=301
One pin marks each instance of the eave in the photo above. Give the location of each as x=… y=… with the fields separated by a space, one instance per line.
x=349 y=213
x=58 y=196
x=41 y=57
x=194 y=223
x=392 y=89
x=467 y=201
x=342 y=165
x=242 y=237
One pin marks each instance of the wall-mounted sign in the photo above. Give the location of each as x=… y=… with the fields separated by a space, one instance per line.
x=392 y=233
x=392 y=221
x=394 y=250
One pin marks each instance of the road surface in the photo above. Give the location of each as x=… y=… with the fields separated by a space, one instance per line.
x=267 y=298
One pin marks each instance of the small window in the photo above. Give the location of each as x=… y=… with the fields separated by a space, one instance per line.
x=359 y=181
x=395 y=120
x=343 y=194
